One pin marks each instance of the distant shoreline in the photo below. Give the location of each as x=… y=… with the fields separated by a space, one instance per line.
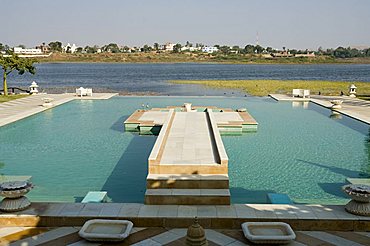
x=168 y=58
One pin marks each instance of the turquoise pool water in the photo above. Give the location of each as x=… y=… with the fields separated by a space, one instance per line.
x=81 y=146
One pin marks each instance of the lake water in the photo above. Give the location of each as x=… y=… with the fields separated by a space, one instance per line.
x=154 y=77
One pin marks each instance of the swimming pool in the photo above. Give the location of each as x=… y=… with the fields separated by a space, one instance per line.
x=81 y=146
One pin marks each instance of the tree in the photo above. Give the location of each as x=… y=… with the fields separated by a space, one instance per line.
x=224 y=49
x=341 y=52
x=1 y=47
x=156 y=46
x=79 y=50
x=367 y=52
x=91 y=50
x=55 y=46
x=177 y=48
x=12 y=62
x=249 y=49
x=269 y=49
x=22 y=46
x=146 y=48
x=258 y=49
x=112 y=47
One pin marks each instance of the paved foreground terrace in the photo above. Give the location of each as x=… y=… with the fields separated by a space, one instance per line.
x=58 y=223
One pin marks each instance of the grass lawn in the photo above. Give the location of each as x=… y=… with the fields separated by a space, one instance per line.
x=266 y=87
x=10 y=97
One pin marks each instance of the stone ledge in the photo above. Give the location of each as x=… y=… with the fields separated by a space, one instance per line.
x=300 y=217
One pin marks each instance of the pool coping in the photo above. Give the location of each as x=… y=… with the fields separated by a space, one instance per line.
x=300 y=217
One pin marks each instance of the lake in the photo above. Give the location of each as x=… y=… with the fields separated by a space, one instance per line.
x=143 y=78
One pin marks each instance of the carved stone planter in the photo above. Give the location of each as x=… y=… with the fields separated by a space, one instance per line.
x=360 y=195
x=14 y=195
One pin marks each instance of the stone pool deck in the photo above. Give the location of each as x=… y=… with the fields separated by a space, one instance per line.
x=352 y=107
x=300 y=217
x=24 y=107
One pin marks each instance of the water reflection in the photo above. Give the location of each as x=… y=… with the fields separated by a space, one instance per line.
x=300 y=105
x=335 y=115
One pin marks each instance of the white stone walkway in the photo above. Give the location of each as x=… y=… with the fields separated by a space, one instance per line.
x=24 y=107
x=352 y=107
x=189 y=140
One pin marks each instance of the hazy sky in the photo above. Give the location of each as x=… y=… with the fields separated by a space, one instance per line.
x=290 y=23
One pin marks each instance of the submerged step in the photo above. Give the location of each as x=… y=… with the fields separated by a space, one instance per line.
x=187 y=181
x=187 y=196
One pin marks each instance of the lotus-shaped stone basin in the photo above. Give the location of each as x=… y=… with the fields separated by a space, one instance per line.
x=360 y=193
x=15 y=189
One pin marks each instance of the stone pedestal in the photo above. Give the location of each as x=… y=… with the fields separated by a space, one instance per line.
x=14 y=196
x=360 y=195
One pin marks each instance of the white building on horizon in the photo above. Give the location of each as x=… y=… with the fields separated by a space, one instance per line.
x=168 y=46
x=208 y=49
x=69 y=48
x=20 y=50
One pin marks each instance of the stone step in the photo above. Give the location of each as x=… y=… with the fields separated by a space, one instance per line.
x=187 y=181
x=189 y=169
x=187 y=197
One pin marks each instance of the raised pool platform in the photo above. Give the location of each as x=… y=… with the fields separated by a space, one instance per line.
x=188 y=163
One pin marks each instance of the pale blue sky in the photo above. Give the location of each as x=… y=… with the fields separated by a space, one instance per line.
x=290 y=23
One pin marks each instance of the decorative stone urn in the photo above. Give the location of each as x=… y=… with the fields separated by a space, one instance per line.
x=14 y=195
x=196 y=235
x=337 y=104
x=360 y=195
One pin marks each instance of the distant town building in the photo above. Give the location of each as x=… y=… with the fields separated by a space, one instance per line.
x=20 y=50
x=167 y=46
x=312 y=54
x=187 y=48
x=282 y=54
x=208 y=49
x=69 y=48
